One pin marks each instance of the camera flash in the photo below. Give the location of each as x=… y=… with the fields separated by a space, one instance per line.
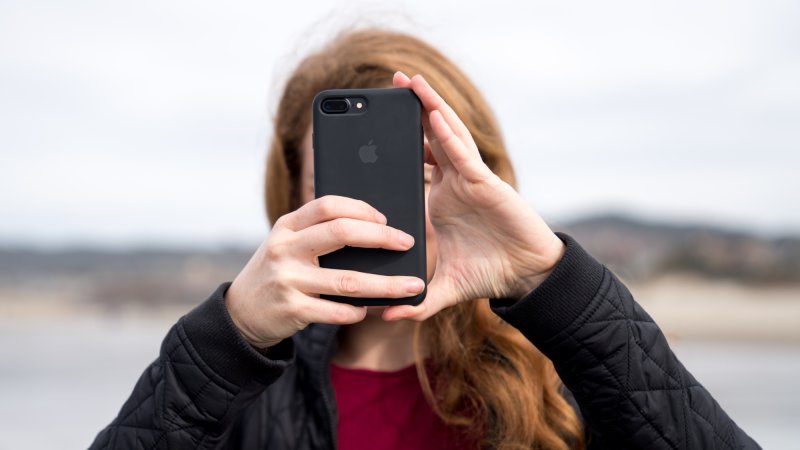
x=359 y=105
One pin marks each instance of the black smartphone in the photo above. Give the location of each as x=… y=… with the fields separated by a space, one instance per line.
x=368 y=145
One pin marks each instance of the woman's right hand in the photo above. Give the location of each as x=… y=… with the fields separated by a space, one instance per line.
x=277 y=292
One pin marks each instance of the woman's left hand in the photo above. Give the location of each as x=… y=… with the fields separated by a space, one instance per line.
x=491 y=243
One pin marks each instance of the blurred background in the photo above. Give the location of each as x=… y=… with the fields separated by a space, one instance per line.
x=664 y=136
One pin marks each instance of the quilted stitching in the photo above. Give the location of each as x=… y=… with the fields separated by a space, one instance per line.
x=631 y=390
x=586 y=347
x=165 y=409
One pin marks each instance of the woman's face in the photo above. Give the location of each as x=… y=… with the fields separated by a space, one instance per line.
x=307 y=194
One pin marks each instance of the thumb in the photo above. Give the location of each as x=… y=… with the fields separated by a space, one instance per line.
x=436 y=299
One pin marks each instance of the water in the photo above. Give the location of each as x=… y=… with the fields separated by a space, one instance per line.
x=61 y=382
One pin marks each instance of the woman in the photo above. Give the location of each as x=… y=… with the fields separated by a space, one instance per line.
x=512 y=310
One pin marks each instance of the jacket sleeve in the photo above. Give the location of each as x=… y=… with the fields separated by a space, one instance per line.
x=632 y=390
x=205 y=375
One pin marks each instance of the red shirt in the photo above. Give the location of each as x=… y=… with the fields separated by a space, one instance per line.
x=387 y=410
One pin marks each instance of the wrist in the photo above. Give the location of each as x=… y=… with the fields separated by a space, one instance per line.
x=233 y=305
x=546 y=262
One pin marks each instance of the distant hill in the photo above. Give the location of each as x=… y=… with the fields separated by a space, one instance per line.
x=640 y=250
x=636 y=250
x=113 y=278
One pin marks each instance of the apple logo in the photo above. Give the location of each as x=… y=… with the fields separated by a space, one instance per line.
x=367 y=153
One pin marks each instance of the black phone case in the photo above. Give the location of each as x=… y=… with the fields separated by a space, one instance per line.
x=393 y=184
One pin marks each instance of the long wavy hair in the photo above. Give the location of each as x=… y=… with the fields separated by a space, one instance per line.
x=489 y=380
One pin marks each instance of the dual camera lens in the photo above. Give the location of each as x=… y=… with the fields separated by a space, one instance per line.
x=343 y=105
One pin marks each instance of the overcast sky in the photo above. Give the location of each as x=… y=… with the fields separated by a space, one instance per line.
x=148 y=121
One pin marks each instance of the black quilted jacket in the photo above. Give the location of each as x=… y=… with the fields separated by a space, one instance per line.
x=210 y=389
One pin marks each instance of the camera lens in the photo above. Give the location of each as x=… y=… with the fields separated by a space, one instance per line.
x=335 y=105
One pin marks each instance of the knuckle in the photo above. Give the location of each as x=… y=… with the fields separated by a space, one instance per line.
x=365 y=206
x=340 y=315
x=290 y=309
x=326 y=206
x=276 y=250
x=347 y=284
x=338 y=229
x=389 y=234
x=281 y=222
x=279 y=290
x=297 y=323
x=396 y=288
x=295 y=278
x=447 y=139
x=280 y=278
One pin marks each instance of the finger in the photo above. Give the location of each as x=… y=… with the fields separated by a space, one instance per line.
x=350 y=283
x=410 y=312
x=468 y=164
x=429 y=158
x=319 y=310
x=432 y=101
x=331 y=207
x=436 y=152
x=406 y=312
x=426 y=125
x=400 y=80
x=325 y=237
x=436 y=175
x=435 y=301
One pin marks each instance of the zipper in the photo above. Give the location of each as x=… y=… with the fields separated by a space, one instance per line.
x=327 y=387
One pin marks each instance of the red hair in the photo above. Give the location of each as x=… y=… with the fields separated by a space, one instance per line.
x=483 y=365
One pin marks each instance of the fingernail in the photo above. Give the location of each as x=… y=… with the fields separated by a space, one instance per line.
x=406 y=239
x=414 y=286
x=380 y=217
